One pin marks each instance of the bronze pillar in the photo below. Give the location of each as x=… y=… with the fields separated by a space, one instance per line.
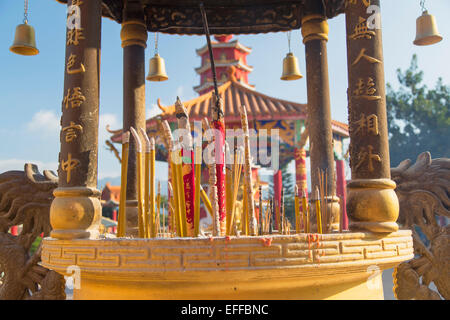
x=76 y=211
x=134 y=42
x=315 y=37
x=372 y=203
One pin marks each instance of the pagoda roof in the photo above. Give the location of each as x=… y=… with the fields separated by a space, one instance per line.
x=227 y=63
x=224 y=16
x=232 y=44
x=260 y=107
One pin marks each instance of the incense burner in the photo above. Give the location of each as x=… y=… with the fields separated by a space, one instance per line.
x=302 y=266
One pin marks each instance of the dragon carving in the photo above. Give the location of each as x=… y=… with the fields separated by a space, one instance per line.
x=25 y=199
x=423 y=190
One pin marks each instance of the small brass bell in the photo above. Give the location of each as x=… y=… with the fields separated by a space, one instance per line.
x=157 y=69
x=290 y=68
x=24 y=41
x=426 y=30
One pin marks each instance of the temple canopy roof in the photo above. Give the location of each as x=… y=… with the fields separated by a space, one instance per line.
x=224 y=16
x=260 y=108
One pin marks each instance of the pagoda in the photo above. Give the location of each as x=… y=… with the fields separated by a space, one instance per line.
x=226 y=54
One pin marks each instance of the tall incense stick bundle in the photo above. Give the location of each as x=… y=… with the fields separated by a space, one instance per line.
x=198 y=177
x=318 y=212
x=248 y=173
x=176 y=207
x=213 y=183
x=147 y=170
x=188 y=174
x=152 y=187
x=297 y=210
x=121 y=227
x=218 y=124
x=141 y=218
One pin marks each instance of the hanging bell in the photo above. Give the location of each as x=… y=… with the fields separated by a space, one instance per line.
x=426 y=30
x=24 y=41
x=290 y=68
x=157 y=69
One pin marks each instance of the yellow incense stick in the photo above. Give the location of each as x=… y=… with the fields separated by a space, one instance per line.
x=163 y=222
x=152 y=187
x=318 y=212
x=141 y=222
x=171 y=209
x=181 y=195
x=146 y=182
x=305 y=215
x=297 y=211
x=121 y=226
x=198 y=177
x=244 y=219
x=237 y=177
x=177 y=209
x=206 y=201
x=158 y=208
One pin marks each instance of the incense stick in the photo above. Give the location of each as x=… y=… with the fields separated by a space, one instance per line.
x=305 y=214
x=176 y=209
x=152 y=187
x=197 y=192
x=187 y=165
x=248 y=172
x=318 y=213
x=121 y=228
x=158 y=207
x=141 y=221
x=237 y=177
x=146 y=183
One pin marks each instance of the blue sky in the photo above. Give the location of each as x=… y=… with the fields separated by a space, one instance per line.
x=31 y=88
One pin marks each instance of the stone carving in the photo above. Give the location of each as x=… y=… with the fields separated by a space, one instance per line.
x=224 y=16
x=423 y=192
x=324 y=251
x=25 y=198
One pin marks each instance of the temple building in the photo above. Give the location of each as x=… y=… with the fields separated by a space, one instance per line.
x=264 y=112
x=226 y=54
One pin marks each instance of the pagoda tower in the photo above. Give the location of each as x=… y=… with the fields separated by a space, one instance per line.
x=226 y=54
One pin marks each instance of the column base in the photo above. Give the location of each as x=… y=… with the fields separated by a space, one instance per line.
x=378 y=227
x=75 y=213
x=372 y=204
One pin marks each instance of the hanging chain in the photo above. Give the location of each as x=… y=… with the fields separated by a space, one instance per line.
x=25 y=12
x=422 y=5
x=289 y=40
x=156 y=42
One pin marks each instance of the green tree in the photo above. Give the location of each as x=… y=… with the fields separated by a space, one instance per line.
x=418 y=117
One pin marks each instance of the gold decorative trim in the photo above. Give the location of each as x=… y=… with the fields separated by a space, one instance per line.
x=133 y=33
x=314 y=27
